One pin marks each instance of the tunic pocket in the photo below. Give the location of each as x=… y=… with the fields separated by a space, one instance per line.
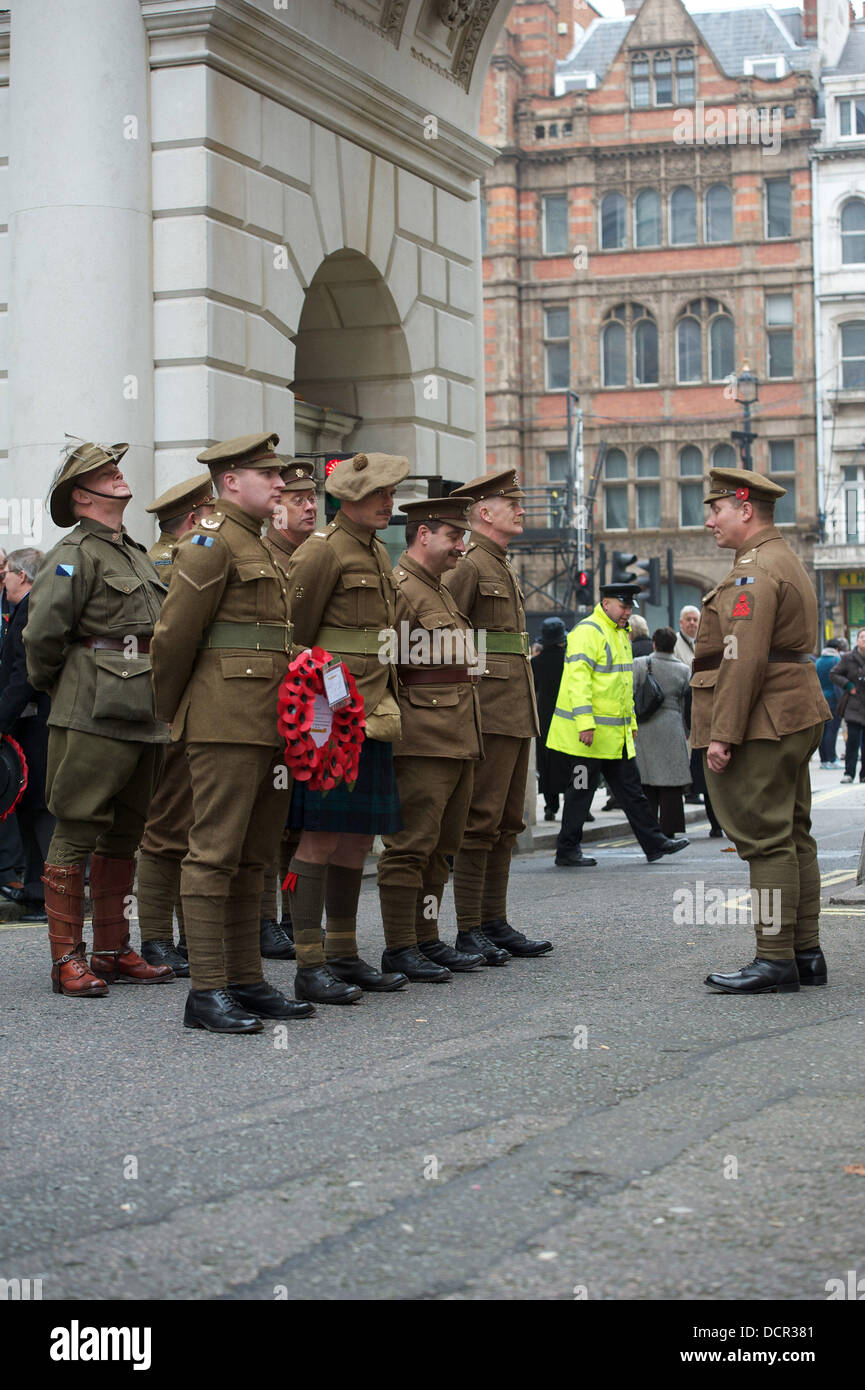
x=123 y=688
x=246 y=667
x=128 y=603
x=364 y=603
x=432 y=696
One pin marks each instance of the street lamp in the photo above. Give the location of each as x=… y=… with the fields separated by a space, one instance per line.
x=747 y=389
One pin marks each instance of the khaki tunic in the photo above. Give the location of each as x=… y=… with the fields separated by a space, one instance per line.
x=223 y=573
x=766 y=603
x=161 y=554
x=438 y=721
x=95 y=583
x=341 y=577
x=280 y=547
x=486 y=591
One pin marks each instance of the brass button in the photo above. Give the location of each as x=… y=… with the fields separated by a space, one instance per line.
x=487 y=671
x=124 y=673
x=249 y=670
x=363 y=581
x=435 y=702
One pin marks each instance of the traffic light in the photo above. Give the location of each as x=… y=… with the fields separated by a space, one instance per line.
x=621 y=572
x=331 y=504
x=650 y=587
x=585 y=588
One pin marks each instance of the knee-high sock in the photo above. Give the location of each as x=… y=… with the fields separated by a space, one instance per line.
x=428 y=908
x=158 y=895
x=307 y=906
x=398 y=907
x=774 y=905
x=807 y=933
x=205 y=935
x=494 y=906
x=340 y=901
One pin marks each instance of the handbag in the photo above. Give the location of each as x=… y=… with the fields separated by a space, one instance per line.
x=648 y=697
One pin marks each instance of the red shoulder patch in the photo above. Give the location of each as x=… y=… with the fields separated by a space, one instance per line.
x=743 y=607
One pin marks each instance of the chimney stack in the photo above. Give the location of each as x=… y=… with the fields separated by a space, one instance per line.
x=632 y=6
x=809 y=19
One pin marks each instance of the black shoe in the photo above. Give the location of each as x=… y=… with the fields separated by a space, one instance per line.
x=694 y=799
x=13 y=892
x=34 y=911
x=574 y=859
x=443 y=954
x=182 y=949
x=611 y=805
x=716 y=834
x=276 y=944
x=502 y=934
x=317 y=984
x=215 y=1010
x=353 y=971
x=474 y=942
x=811 y=966
x=262 y=999
x=549 y=815
x=588 y=818
x=671 y=847
x=409 y=961
x=164 y=953
x=760 y=977
x=287 y=925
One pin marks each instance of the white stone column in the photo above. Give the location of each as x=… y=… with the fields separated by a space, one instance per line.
x=80 y=314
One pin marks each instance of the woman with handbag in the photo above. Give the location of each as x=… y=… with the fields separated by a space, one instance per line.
x=661 y=747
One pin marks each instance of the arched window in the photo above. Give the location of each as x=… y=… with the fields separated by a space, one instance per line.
x=615 y=496
x=853 y=232
x=615 y=352
x=648 y=463
x=641 y=91
x=663 y=70
x=721 y=354
x=645 y=349
x=612 y=222
x=683 y=216
x=615 y=464
x=647 y=218
x=724 y=456
x=648 y=493
x=718 y=213
x=689 y=354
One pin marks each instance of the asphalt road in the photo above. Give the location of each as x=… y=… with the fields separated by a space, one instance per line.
x=593 y=1122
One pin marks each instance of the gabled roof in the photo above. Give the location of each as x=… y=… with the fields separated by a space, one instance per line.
x=732 y=36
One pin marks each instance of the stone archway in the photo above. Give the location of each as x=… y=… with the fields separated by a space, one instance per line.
x=353 y=386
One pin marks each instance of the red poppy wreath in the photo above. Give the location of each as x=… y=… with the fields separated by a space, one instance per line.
x=322 y=746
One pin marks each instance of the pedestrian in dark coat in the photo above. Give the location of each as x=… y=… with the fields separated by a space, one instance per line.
x=554 y=769
x=24 y=715
x=849 y=676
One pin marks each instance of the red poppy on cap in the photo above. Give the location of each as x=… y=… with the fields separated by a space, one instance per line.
x=742 y=494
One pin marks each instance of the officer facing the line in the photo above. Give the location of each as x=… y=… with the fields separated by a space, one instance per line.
x=758 y=714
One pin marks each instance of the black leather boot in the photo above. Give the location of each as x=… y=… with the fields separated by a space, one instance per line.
x=760 y=977
x=503 y=934
x=262 y=999
x=276 y=944
x=811 y=965
x=354 y=971
x=320 y=986
x=414 y=966
x=164 y=953
x=215 y=1010
x=443 y=954
x=475 y=942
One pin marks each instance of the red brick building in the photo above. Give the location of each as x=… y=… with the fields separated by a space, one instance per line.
x=647 y=232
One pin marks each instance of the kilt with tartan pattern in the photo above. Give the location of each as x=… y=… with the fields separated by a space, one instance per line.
x=371 y=808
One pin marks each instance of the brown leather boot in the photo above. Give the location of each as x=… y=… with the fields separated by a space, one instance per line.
x=113 y=958
x=64 y=908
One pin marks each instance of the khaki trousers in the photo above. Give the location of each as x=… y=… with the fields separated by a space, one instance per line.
x=99 y=789
x=763 y=801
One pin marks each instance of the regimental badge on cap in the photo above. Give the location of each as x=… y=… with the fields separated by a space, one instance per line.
x=503 y=484
x=244 y=451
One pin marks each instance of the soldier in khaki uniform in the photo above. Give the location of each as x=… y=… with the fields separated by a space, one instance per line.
x=163 y=843
x=342 y=595
x=294 y=519
x=93 y=607
x=758 y=714
x=486 y=591
x=439 y=745
x=220 y=651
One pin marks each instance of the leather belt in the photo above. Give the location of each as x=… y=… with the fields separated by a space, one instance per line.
x=713 y=660
x=511 y=643
x=116 y=644
x=354 y=641
x=435 y=675
x=247 y=637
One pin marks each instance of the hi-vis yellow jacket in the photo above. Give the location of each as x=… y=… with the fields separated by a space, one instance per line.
x=597 y=691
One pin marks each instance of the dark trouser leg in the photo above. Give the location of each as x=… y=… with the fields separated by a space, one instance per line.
x=36 y=829
x=654 y=799
x=237 y=814
x=626 y=787
x=829 y=740
x=851 y=754
x=163 y=847
x=770 y=827
x=578 y=802
x=806 y=935
x=670 y=812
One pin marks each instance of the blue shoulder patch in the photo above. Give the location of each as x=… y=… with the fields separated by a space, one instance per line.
x=66 y=570
x=745 y=579
x=202 y=540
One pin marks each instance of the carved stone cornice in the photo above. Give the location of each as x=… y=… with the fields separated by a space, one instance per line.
x=264 y=53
